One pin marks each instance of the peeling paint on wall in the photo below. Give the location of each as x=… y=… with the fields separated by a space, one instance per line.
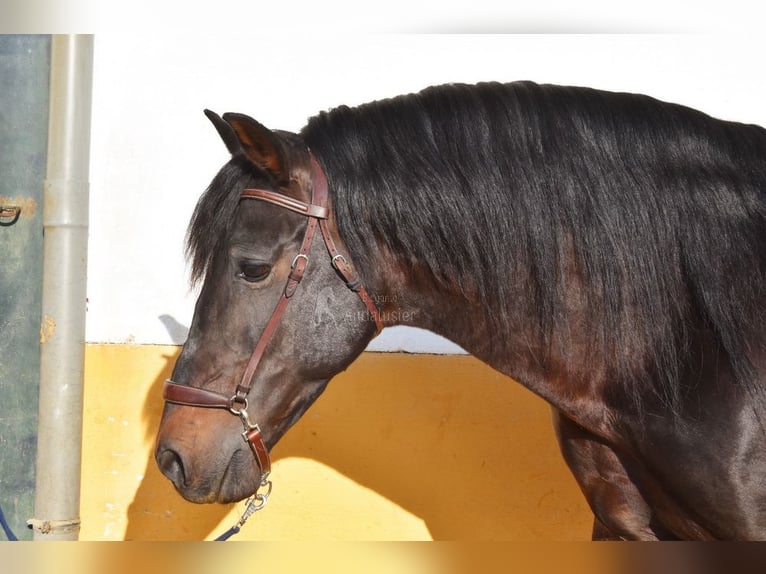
x=47 y=329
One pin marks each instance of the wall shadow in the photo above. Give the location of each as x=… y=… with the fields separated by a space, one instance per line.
x=450 y=440
x=454 y=442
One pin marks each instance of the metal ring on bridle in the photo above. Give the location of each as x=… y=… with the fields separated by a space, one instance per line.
x=235 y=399
x=266 y=483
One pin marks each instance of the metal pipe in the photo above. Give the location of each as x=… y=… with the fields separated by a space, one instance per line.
x=65 y=251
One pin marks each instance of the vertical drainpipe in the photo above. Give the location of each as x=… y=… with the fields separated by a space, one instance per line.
x=65 y=252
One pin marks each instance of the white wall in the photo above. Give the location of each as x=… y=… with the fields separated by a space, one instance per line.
x=154 y=152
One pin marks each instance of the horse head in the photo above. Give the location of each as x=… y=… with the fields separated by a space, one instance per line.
x=252 y=256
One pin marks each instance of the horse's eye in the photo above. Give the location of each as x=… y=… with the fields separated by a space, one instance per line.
x=253 y=272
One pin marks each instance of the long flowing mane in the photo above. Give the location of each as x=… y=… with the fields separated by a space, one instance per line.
x=524 y=194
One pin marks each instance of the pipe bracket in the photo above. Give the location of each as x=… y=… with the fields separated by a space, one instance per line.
x=54 y=526
x=9 y=214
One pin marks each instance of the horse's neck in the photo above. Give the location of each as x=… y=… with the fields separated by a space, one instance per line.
x=413 y=300
x=508 y=346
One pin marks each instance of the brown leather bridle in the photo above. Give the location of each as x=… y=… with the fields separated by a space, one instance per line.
x=318 y=213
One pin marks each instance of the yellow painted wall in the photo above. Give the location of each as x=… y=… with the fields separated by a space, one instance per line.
x=399 y=447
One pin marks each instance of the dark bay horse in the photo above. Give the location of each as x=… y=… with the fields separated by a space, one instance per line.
x=606 y=250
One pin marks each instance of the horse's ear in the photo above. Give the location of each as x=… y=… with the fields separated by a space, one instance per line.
x=225 y=131
x=261 y=145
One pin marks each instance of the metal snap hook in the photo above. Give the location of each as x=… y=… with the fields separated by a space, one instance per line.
x=244 y=416
x=9 y=214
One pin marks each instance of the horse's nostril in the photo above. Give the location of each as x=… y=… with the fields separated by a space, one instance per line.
x=172 y=466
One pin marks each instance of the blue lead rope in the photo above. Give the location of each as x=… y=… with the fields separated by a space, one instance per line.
x=6 y=527
x=253 y=505
x=228 y=534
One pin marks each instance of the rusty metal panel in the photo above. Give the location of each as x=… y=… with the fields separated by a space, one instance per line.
x=24 y=79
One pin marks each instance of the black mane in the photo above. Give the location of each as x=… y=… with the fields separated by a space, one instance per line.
x=511 y=190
